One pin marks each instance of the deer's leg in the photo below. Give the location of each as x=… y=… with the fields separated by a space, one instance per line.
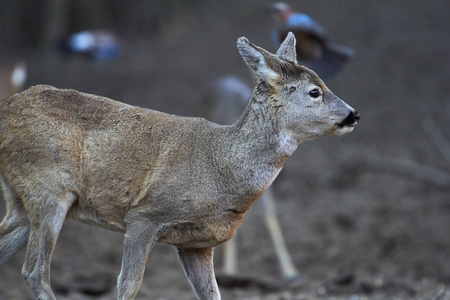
x=139 y=239
x=287 y=266
x=13 y=238
x=199 y=269
x=15 y=226
x=46 y=217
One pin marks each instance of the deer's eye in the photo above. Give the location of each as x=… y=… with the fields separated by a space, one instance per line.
x=292 y=89
x=315 y=93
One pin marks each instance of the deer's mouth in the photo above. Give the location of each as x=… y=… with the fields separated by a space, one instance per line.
x=341 y=125
x=344 y=129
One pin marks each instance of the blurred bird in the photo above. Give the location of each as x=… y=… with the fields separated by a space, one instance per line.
x=96 y=44
x=313 y=48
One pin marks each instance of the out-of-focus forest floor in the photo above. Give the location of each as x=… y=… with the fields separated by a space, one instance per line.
x=365 y=215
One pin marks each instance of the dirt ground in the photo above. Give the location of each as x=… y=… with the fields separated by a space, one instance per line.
x=365 y=216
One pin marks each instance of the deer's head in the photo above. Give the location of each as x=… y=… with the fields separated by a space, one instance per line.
x=298 y=99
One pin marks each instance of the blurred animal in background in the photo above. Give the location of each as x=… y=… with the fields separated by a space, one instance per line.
x=98 y=45
x=224 y=101
x=13 y=75
x=313 y=47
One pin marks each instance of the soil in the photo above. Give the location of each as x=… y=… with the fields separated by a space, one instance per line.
x=365 y=215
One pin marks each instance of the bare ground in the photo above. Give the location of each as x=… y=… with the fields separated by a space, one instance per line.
x=365 y=216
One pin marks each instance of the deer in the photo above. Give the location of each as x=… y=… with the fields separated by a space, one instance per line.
x=224 y=101
x=153 y=176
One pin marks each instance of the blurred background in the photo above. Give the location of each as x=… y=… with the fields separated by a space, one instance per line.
x=365 y=216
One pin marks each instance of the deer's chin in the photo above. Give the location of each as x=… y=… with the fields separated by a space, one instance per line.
x=340 y=130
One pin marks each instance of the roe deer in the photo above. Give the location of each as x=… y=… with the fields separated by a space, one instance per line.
x=224 y=101
x=154 y=176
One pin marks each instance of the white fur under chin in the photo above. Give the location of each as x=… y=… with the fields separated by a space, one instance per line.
x=287 y=143
x=344 y=130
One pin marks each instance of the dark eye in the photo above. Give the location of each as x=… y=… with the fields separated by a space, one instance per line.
x=315 y=93
x=292 y=89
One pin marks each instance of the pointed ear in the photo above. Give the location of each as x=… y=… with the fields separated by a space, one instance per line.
x=258 y=60
x=287 y=50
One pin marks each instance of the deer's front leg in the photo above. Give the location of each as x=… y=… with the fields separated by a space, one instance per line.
x=140 y=237
x=199 y=269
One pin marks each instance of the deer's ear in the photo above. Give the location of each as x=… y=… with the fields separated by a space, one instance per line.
x=257 y=59
x=287 y=50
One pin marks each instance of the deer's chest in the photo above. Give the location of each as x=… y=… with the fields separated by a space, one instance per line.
x=203 y=233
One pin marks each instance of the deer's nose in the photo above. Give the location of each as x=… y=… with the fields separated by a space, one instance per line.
x=355 y=115
x=351 y=119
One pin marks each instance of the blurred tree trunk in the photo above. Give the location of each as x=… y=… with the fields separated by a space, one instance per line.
x=11 y=15
x=94 y=14
x=54 y=28
x=55 y=22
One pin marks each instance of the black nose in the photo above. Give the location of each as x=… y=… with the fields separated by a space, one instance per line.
x=351 y=119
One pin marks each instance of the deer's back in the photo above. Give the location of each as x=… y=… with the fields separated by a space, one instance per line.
x=49 y=120
x=40 y=104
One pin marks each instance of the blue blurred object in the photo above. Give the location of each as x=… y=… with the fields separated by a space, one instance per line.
x=96 y=44
x=313 y=48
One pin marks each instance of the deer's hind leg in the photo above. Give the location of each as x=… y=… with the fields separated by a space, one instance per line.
x=47 y=211
x=15 y=227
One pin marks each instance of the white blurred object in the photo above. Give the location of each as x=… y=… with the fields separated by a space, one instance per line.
x=13 y=77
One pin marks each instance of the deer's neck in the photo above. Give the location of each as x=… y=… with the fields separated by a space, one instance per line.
x=260 y=126
x=258 y=146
